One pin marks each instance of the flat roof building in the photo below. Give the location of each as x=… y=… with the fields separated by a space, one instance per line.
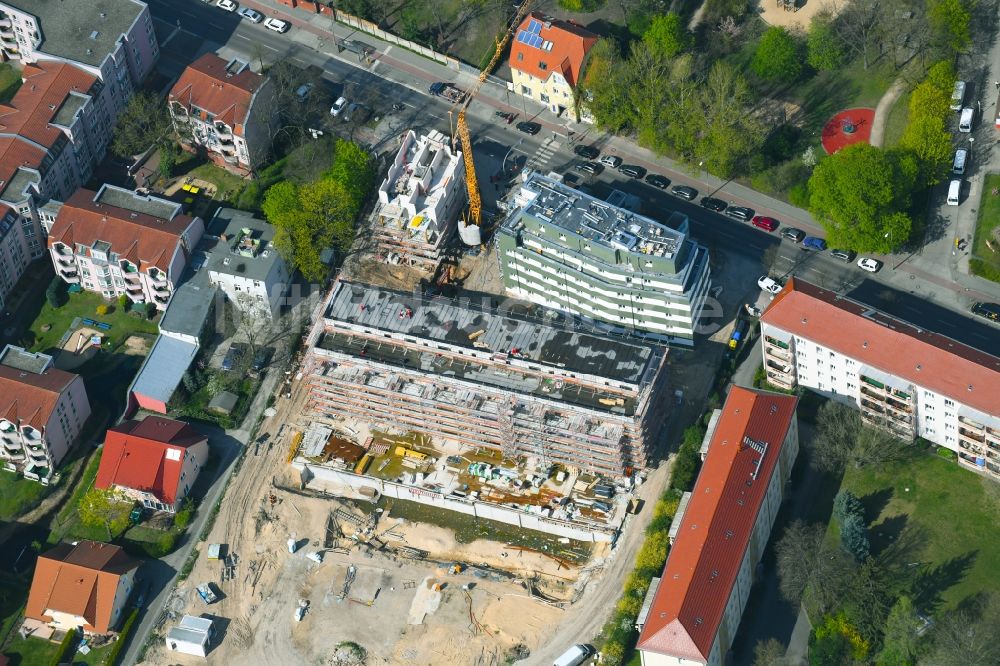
x=904 y=378
x=521 y=380
x=419 y=201
x=568 y=250
x=700 y=597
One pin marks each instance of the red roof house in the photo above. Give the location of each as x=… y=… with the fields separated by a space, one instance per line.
x=86 y=584
x=154 y=461
x=750 y=455
x=547 y=58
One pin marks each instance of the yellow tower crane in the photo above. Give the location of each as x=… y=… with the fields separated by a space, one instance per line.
x=475 y=218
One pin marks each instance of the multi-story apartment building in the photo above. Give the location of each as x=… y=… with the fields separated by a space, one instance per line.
x=112 y=39
x=471 y=373
x=547 y=57
x=116 y=242
x=906 y=379
x=692 y=612
x=42 y=412
x=419 y=201
x=225 y=109
x=567 y=250
x=238 y=252
x=14 y=251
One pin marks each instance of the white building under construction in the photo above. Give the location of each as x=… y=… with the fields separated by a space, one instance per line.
x=419 y=201
x=522 y=379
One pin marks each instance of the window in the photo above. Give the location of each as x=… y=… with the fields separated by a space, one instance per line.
x=949 y=403
x=526 y=91
x=544 y=98
x=542 y=66
x=520 y=57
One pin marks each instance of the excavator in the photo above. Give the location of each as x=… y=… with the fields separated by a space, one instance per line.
x=470 y=229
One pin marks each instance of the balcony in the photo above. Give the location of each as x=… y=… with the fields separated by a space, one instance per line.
x=780 y=380
x=778 y=353
x=780 y=367
x=976 y=437
x=871 y=382
x=970 y=423
x=874 y=395
x=777 y=343
x=872 y=406
x=897 y=406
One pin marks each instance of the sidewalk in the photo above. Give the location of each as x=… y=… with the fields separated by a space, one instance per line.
x=416 y=72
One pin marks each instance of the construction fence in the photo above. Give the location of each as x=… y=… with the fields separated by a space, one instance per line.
x=572 y=530
x=375 y=31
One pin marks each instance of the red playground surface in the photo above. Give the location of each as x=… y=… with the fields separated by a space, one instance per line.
x=834 y=136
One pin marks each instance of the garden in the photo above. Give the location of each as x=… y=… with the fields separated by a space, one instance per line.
x=985 y=260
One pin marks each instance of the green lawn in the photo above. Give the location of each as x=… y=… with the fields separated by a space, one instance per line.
x=228 y=186
x=895 y=123
x=826 y=93
x=958 y=544
x=84 y=305
x=30 y=651
x=10 y=81
x=18 y=494
x=985 y=262
x=66 y=524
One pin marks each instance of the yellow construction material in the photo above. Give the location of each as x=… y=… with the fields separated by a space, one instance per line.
x=416 y=222
x=296 y=443
x=363 y=464
x=473 y=336
x=410 y=453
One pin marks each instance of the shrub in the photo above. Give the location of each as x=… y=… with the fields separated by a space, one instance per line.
x=55 y=293
x=847 y=504
x=947 y=454
x=66 y=648
x=798 y=195
x=103 y=309
x=122 y=637
x=854 y=537
x=123 y=302
x=183 y=517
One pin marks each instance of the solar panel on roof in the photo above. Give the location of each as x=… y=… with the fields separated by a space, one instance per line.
x=536 y=41
x=522 y=36
x=534 y=27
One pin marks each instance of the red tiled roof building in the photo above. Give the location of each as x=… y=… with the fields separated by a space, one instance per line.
x=903 y=378
x=154 y=461
x=697 y=605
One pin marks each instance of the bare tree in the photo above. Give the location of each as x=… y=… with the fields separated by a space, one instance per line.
x=968 y=635
x=769 y=653
x=861 y=25
x=795 y=555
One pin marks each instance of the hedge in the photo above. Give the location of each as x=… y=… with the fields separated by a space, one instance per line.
x=122 y=637
x=66 y=648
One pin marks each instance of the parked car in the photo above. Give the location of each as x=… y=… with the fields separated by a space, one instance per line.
x=277 y=25
x=589 y=167
x=768 y=284
x=261 y=359
x=870 y=265
x=711 y=203
x=847 y=256
x=528 y=127
x=813 y=243
x=793 y=234
x=684 y=192
x=207 y=592
x=227 y=5
x=990 y=311
x=251 y=15
x=338 y=106
x=752 y=310
x=656 y=180
x=303 y=91
x=632 y=171
x=764 y=222
x=612 y=161
x=355 y=113
x=233 y=356
x=587 y=152
x=740 y=213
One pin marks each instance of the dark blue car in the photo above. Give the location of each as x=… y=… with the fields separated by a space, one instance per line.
x=813 y=243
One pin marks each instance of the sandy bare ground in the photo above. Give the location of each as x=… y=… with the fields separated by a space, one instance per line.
x=772 y=12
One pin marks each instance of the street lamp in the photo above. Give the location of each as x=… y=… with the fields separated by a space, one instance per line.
x=503 y=165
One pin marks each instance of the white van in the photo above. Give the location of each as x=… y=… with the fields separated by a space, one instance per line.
x=958 y=165
x=958 y=95
x=965 y=120
x=954 y=189
x=574 y=656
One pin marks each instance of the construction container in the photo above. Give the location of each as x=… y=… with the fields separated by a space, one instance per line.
x=363 y=464
x=292 y=546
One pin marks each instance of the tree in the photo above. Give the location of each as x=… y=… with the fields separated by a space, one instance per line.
x=653 y=553
x=861 y=26
x=899 y=643
x=145 y=122
x=870 y=600
x=667 y=35
x=55 y=293
x=854 y=537
x=769 y=653
x=836 y=428
x=927 y=134
x=352 y=167
x=949 y=20
x=859 y=194
x=730 y=133
x=967 y=635
x=605 y=87
x=795 y=556
x=103 y=508
x=847 y=504
x=823 y=46
x=168 y=159
x=776 y=57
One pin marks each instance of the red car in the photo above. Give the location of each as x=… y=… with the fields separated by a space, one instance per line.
x=764 y=222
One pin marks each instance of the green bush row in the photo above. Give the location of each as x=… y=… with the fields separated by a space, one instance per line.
x=122 y=637
x=66 y=648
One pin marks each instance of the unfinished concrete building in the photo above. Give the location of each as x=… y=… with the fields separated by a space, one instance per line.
x=419 y=201
x=518 y=379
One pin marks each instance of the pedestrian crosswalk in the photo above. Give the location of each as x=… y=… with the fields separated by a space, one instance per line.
x=543 y=155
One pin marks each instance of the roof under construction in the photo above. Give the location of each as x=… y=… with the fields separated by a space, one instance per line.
x=487 y=330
